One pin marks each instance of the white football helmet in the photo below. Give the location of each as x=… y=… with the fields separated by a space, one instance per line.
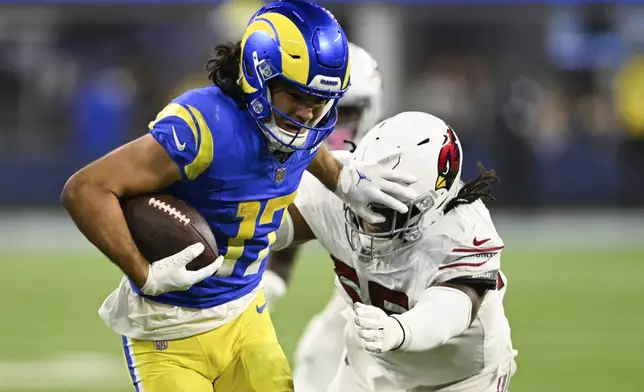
x=430 y=151
x=361 y=107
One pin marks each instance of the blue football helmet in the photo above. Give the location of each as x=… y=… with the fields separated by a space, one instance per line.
x=302 y=45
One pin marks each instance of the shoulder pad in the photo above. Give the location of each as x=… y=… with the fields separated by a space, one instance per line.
x=184 y=132
x=466 y=230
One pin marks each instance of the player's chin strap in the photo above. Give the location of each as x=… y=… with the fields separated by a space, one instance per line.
x=440 y=314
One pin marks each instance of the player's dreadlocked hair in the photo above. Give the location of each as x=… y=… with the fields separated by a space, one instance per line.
x=223 y=70
x=480 y=187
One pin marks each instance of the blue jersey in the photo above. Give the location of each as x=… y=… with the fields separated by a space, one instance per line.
x=234 y=181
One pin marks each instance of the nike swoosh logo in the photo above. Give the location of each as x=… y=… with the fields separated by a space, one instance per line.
x=260 y=309
x=481 y=242
x=180 y=146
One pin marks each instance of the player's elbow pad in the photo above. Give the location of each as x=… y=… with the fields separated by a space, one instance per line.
x=284 y=235
x=440 y=314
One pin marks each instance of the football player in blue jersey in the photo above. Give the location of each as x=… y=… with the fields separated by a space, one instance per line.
x=236 y=152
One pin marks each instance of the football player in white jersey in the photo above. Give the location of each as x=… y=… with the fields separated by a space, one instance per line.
x=358 y=111
x=425 y=287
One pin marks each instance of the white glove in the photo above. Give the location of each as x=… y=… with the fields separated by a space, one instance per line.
x=363 y=184
x=170 y=274
x=274 y=287
x=377 y=332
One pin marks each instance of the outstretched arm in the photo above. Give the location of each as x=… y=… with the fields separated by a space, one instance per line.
x=441 y=313
x=381 y=186
x=326 y=168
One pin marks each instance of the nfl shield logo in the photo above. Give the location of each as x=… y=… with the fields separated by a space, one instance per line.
x=279 y=176
x=161 y=344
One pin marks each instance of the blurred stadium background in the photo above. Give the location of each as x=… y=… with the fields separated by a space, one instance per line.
x=549 y=93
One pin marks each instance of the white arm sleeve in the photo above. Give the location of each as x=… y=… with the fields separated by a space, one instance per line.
x=284 y=235
x=440 y=314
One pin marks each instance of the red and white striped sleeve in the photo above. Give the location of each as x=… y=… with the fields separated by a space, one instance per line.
x=473 y=252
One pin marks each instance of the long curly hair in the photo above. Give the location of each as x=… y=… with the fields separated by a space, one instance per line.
x=478 y=188
x=223 y=69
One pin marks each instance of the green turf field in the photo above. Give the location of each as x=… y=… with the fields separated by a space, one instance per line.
x=577 y=320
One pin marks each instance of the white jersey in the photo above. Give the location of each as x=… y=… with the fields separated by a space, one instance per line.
x=129 y=314
x=463 y=243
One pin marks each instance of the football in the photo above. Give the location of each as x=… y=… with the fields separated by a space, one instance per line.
x=163 y=225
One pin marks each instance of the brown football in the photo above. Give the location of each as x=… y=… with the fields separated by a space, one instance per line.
x=163 y=225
